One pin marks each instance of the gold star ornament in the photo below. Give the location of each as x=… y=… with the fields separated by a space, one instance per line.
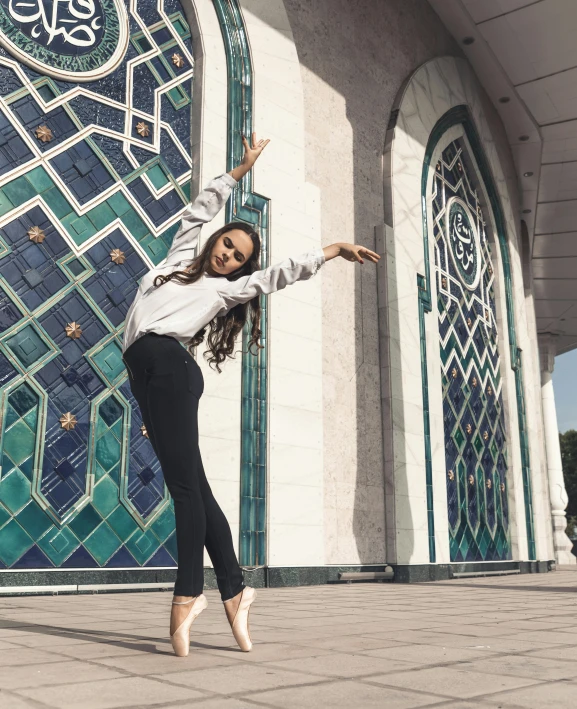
x=44 y=134
x=36 y=234
x=117 y=256
x=144 y=431
x=471 y=479
x=73 y=330
x=68 y=421
x=177 y=60
x=451 y=475
x=143 y=129
x=489 y=484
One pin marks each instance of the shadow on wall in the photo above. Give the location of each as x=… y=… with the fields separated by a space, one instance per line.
x=354 y=59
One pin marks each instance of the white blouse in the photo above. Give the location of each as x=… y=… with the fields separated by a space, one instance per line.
x=181 y=310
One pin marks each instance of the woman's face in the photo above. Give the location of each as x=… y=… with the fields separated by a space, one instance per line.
x=231 y=251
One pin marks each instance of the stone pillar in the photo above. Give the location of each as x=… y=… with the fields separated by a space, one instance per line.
x=557 y=491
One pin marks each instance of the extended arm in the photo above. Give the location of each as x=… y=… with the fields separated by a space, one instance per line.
x=285 y=273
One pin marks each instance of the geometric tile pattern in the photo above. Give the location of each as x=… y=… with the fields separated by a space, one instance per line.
x=91 y=493
x=253 y=209
x=474 y=421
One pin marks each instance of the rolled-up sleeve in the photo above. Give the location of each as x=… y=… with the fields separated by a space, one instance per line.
x=204 y=208
x=271 y=279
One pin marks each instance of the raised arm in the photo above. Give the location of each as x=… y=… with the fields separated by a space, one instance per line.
x=209 y=203
x=204 y=208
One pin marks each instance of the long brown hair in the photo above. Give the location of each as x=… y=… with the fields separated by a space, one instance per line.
x=224 y=330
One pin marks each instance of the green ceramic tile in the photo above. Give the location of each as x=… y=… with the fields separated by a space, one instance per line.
x=85 y=522
x=7 y=465
x=142 y=545
x=39 y=179
x=19 y=191
x=102 y=543
x=186 y=189
x=170 y=546
x=31 y=418
x=27 y=345
x=34 y=519
x=5 y=203
x=79 y=228
x=19 y=442
x=4 y=515
x=114 y=474
x=109 y=361
x=58 y=544
x=122 y=522
x=14 y=542
x=101 y=216
x=108 y=451
x=105 y=496
x=99 y=471
x=164 y=525
x=119 y=204
x=57 y=203
x=14 y=491
x=157 y=176
x=156 y=248
x=134 y=224
x=10 y=416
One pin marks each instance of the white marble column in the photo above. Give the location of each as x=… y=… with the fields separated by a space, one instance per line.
x=557 y=491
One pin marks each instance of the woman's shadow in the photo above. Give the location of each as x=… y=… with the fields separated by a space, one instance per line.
x=107 y=637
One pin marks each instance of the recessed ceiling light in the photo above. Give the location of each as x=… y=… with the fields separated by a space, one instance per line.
x=468 y=40
x=527 y=174
x=526 y=211
x=523 y=138
x=504 y=99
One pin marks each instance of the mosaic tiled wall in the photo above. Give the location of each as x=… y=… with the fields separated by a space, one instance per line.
x=93 y=178
x=475 y=434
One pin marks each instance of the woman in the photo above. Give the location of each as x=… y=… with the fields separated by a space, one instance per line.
x=174 y=303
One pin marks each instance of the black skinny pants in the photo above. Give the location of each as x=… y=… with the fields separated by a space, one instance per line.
x=167 y=383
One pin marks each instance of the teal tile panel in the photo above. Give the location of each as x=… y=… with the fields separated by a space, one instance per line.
x=119 y=204
x=14 y=542
x=142 y=545
x=19 y=191
x=108 y=451
x=122 y=522
x=34 y=519
x=101 y=216
x=14 y=491
x=157 y=176
x=134 y=224
x=105 y=496
x=102 y=543
x=164 y=525
x=85 y=522
x=40 y=179
x=57 y=203
x=5 y=203
x=58 y=544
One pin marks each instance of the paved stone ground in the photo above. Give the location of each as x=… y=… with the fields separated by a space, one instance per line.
x=496 y=642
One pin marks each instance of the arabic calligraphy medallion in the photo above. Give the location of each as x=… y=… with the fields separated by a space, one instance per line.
x=463 y=241
x=75 y=40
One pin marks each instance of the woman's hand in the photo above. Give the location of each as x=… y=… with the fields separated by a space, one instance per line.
x=251 y=154
x=350 y=252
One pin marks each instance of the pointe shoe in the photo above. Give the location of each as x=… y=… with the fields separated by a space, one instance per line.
x=180 y=639
x=240 y=625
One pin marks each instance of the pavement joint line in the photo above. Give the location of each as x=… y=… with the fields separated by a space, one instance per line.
x=35 y=702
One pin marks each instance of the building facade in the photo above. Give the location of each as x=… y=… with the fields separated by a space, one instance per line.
x=398 y=415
